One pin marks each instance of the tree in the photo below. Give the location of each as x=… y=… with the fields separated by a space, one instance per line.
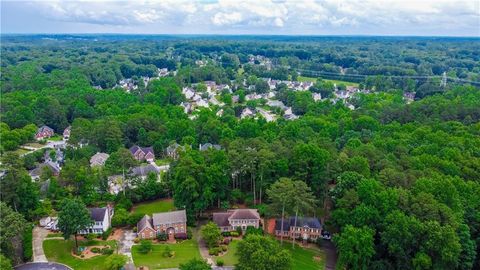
x=195 y=264
x=211 y=234
x=145 y=246
x=115 y=261
x=280 y=194
x=73 y=217
x=120 y=162
x=5 y=263
x=355 y=247
x=12 y=226
x=302 y=200
x=262 y=253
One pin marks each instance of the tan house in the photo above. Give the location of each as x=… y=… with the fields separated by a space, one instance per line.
x=170 y=223
x=237 y=218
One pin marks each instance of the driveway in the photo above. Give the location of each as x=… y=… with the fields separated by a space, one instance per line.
x=331 y=253
x=39 y=234
x=125 y=247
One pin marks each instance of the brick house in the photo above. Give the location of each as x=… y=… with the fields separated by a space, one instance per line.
x=44 y=132
x=237 y=218
x=169 y=223
x=142 y=153
x=173 y=151
x=305 y=228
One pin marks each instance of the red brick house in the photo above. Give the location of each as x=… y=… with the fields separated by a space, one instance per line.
x=304 y=227
x=44 y=132
x=142 y=153
x=169 y=223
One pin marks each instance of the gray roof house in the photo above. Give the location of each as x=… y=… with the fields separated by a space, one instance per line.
x=144 y=170
x=98 y=159
x=173 y=150
x=169 y=223
x=206 y=146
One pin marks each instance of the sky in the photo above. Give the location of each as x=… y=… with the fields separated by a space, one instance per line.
x=232 y=17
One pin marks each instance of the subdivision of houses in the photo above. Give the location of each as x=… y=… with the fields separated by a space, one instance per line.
x=98 y=159
x=303 y=227
x=102 y=220
x=169 y=223
x=237 y=218
x=44 y=132
x=142 y=153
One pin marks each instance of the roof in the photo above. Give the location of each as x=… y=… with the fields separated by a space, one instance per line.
x=38 y=170
x=145 y=170
x=169 y=217
x=145 y=222
x=310 y=222
x=204 y=147
x=98 y=214
x=244 y=214
x=146 y=150
x=221 y=219
x=174 y=147
x=44 y=128
x=99 y=158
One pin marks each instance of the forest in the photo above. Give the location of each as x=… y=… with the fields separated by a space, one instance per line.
x=397 y=183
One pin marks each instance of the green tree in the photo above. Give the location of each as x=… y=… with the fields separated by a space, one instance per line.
x=211 y=234
x=302 y=200
x=355 y=247
x=12 y=226
x=73 y=217
x=145 y=246
x=262 y=253
x=115 y=261
x=195 y=264
x=5 y=263
x=280 y=194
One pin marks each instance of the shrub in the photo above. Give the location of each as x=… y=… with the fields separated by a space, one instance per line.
x=225 y=234
x=145 y=246
x=90 y=237
x=239 y=231
x=107 y=251
x=120 y=218
x=82 y=256
x=106 y=234
x=214 y=251
x=253 y=230
x=226 y=241
x=224 y=248
x=123 y=202
x=27 y=244
x=189 y=233
x=235 y=234
x=135 y=229
x=181 y=236
x=95 y=250
x=136 y=240
x=162 y=237
x=168 y=252
x=134 y=218
x=220 y=262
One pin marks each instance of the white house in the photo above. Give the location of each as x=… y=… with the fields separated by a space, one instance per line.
x=101 y=218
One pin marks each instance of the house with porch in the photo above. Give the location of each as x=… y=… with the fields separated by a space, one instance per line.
x=142 y=153
x=169 y=223
x=237 y=218
x=102 y=220
x=306 y=228
x=44 y=132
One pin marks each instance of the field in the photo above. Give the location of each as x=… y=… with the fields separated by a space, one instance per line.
x=60 y=251
x=184 y=251
x=157 y=206
x=311 y=79
x=306 y=258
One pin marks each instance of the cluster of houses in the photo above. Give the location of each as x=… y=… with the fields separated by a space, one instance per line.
x=196 y=99
x=129 y=84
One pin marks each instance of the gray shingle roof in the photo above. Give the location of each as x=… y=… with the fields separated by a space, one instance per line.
x=244 y=214
x=145 y=170
x=311 y=222
x=221 y=219
x=169 y=217
x=145 y=222
x=97 y=214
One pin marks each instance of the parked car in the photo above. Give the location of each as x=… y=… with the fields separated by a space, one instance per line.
x=326 y=235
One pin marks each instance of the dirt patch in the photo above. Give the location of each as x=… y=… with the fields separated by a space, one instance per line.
x=87 y=253
x=116 y=235
x=317 y=258
x=143 y=268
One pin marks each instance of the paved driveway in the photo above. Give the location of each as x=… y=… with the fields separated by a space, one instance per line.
x=125 y=247
x=39 y=234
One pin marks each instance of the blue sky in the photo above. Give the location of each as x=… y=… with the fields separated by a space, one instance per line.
x=283 y=17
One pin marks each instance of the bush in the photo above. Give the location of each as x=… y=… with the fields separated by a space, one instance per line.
x=135 y=229
x=134 y=218
x=214 y=251
x=239 y=231
x=168 y=252
x=106 y=234
x=189 y=233
x=253 y=230
x=107 y=251
x=136 y=240
x=220 y=262
x=225 y=234
x=27 y=244
x=95 y=250
x=226 y=241
x=145 y=246
x=91 y=236
x=181 y=236
x=224 y=248
x=235 y=234
x=120 y=218
x=123 y=202
x=162 y=237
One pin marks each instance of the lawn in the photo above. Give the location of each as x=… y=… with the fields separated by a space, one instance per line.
x=157 y=206
x=56 y=138
x=161 y=162
x=60 y=251
x=21 y=151
x=306 y=258
x=311 y=79
x=50 y=235
x=230 y=258
x=184 y=251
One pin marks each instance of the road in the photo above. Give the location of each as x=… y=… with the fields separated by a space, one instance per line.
x=49 y=144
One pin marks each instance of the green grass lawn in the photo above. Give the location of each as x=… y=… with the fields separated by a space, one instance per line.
x=184 y=251
x=50 y=235
x=230 y=258
x=161 y=162
x=157 y=206
x=304 y=258
x=33 y=144
x=55 y=138
x=20 y=151
x=60 y=251
x=312 y=79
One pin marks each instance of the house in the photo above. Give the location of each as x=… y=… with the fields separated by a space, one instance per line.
x=101 y=218
x=115 y=184
x=169 y=223
x=206 y=146
x=66 y=133
x=304 y=227
x=142 y=153
x=173 y=150
x=144 y=171
x=52 y=166
x=98 y=159
x=44 y=132
x=316 y=96
x=247 y=112
x=276 y=104
x=237 y=218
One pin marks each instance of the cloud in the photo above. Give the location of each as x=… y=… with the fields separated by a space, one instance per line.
x=266 y=16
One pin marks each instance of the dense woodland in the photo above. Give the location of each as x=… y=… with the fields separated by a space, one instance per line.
x=398 y=184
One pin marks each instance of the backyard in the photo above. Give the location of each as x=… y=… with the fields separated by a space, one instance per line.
x=157 y=206
x=61 y=251
x=184 y=251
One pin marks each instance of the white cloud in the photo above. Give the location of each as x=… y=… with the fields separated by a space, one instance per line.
x=222 y=18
